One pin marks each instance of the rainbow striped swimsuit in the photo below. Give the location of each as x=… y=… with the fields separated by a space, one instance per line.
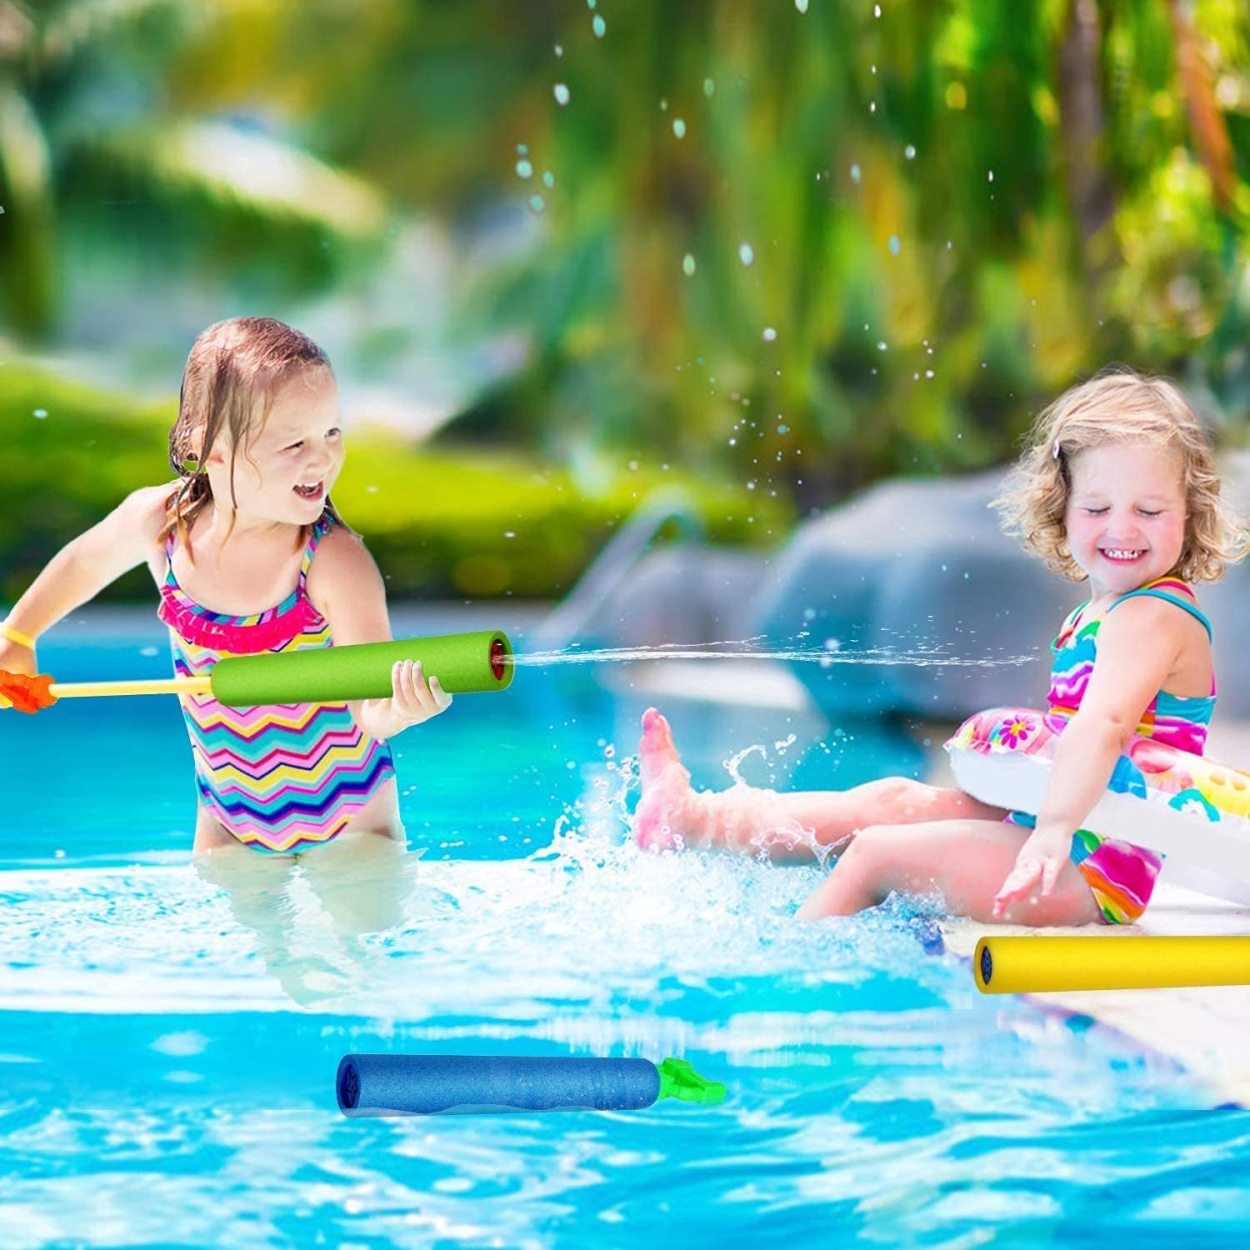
x=280 y=778
x=1121 y=875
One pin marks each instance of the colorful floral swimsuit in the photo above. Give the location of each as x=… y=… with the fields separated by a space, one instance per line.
x=280 y=778
x=1121 y=875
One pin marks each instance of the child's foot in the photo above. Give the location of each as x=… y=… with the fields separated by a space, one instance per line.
x=668 y=813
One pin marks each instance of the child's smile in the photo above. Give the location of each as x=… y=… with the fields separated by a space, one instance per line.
x=314 y=491
x=1125 y=518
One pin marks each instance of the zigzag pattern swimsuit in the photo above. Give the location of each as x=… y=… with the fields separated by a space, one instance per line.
x=281 y=778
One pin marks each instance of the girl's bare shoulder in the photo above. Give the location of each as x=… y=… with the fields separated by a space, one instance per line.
x=149 y=501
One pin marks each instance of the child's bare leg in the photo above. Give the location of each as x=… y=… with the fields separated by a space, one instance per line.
x=211 y=835
x=786 y=825
x=361 y=878
x=255 y=886
x=966 y=861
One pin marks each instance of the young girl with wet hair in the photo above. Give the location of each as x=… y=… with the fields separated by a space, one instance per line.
x=1117 y=487
x=250 y=555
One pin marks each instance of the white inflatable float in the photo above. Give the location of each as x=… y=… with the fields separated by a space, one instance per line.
x=1192 y=810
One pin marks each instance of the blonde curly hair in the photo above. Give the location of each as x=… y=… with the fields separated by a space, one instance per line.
x=1119 y=405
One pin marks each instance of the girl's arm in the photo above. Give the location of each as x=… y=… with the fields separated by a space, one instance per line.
x=83 y=567
x=1138 y=646
x=346 y=588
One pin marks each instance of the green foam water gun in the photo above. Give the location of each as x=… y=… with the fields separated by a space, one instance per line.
x=463 y=663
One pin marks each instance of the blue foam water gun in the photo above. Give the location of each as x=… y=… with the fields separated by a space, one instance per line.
x=371 y=1085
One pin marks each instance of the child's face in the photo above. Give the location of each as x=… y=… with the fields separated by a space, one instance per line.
x=285 y=471
x=1125 y=517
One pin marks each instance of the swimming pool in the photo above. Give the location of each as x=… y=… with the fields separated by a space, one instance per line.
x=168 y=1057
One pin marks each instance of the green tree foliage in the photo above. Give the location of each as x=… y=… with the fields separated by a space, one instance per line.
x=803 y=243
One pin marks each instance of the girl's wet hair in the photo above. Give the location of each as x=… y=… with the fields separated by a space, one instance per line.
x=233 y=373
x=1119 y=405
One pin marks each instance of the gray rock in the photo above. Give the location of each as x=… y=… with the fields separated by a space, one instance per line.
x=683 y=593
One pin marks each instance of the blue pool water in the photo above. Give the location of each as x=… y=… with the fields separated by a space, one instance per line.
x=168 y=1046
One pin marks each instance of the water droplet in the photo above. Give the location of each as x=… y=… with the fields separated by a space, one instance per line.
x=40 y=414
x=876 y=10
x=783 y=429
x=549 y=179
x=909 y=152
x=855 y=174
x=769 y=335
x=522 y=149
x=559 y=50
x=590 y=4
x=881 y=346
x=801 y=5
x=895 y=245
x=599 y=25
x=561 y=92
x=524 y=169
x=746 y=254
x=688 y=265
x=537 y=204
x=991 y=175
x=928 y=373
x=709 y=88
x=679 y=127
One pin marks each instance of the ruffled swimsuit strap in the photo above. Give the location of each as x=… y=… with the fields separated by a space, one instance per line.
x=243 y=635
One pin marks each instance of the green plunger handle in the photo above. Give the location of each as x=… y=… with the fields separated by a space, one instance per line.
x=463 y=663
x=678 y=1079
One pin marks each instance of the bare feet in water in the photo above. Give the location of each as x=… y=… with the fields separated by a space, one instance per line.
x=669 y=813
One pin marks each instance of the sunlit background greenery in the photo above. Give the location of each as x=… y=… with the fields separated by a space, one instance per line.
x=567 y=250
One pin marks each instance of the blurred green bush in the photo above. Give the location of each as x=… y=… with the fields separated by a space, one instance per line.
x=444 y=522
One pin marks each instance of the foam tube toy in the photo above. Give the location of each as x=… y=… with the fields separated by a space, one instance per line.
x=463 y=663
x=375 y=1085
x=1034 y=965
x=1192 y=810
